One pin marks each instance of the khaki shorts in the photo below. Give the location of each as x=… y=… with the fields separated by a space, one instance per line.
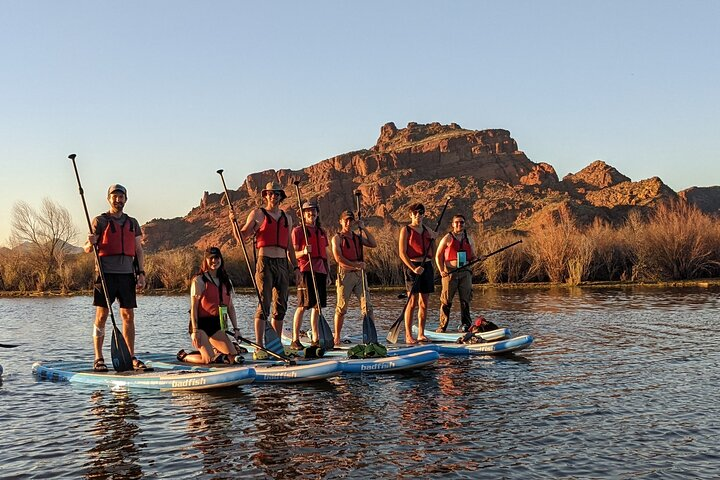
x=349 y=282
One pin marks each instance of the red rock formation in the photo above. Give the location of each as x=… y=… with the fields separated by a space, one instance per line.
x=483 y=172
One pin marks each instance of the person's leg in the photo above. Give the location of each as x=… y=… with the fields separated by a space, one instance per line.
x=445 y=302
x=409 y=310
x=465 y=293
x=101 y=315
x=128 y=320
x=422 y=313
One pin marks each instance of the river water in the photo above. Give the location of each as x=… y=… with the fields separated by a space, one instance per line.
x=620 y=383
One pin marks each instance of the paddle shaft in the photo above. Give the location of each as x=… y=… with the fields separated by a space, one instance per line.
x=362 y=257
x=236 y=229
x=266 y=350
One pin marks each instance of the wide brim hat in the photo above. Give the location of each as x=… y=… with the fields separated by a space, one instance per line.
x=274 y=187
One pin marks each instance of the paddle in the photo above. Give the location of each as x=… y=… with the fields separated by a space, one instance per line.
x=272 y=340
x=325 y=336
x=121 y=358
x=483 y=257
x=394 y=332
x=266 y=350
x=5 y=345
x=369 y=332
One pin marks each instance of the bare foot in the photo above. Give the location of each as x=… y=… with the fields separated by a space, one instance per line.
x=337 y=342
x=410 y=340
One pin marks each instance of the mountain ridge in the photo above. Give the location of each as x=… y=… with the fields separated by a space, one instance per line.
x=484 y=172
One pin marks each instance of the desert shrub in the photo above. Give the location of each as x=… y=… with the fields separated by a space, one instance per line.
x=171 y=269
x=503 y=266
x=383 y=263
x=677 y=242
x=559 y=251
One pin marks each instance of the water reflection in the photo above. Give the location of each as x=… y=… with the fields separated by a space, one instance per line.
x=114 y=453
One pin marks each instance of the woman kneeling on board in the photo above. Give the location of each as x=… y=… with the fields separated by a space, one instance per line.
x=210 y=304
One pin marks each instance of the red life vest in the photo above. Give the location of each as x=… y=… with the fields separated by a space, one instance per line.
x=210 y=299
x=352 y=248
x=418 y=245
x=116 y=239
x=318 y=241
x=455 y=246
x=273 y=233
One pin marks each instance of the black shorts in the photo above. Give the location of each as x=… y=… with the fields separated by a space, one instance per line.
x=306 y=292
x=120 y=286
x=209 y=325
x=424 y=284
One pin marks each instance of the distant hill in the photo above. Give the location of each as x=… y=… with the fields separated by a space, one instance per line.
x=487 y=177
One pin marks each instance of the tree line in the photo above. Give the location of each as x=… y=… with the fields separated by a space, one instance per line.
x=676 y=241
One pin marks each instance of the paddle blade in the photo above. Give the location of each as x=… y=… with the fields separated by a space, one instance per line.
x=369 y=331
x=272 y=341
x=121 y=358
x=326 y=340
x=5 y=345
x=394 y=333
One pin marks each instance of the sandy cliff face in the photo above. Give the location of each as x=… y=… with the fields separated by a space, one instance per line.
x=482 y=171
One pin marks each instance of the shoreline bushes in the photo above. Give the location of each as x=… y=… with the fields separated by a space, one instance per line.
x=675 y=242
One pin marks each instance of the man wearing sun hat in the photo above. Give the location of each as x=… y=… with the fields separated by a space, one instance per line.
x=271 y=228
x=119 y=240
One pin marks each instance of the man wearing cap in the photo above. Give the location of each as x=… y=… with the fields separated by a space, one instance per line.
x=118 y=239
x=271 y=228
x=347 y=248
x=454 y=251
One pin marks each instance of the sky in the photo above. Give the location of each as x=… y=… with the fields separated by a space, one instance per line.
x=158 y=95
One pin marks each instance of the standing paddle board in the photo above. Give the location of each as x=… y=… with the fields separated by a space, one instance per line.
x=509 y=345
x=266 y=371
x=159 y=379
x=392 y=363
x=491 y=336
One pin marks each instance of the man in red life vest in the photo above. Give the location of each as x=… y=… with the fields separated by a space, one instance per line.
x=271 y=228
x=119 y=240
x=455 y=250
x=347 y=248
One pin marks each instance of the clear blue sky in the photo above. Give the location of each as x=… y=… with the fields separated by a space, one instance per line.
x=157 y=95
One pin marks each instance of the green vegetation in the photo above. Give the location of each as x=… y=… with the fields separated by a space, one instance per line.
x=677 y=242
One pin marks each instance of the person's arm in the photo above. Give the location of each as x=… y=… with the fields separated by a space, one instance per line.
x=292 y=258
x=92 y=238
x=254 y=219
x=472 y=246
x=232 y=313
x=440 y=256
x=196 y=291
x=367 y=238
x=140 y=257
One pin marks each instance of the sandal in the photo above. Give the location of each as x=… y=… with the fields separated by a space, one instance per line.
x=139 y=365
x=99 y=365
x=181 y=355
x=222 y=359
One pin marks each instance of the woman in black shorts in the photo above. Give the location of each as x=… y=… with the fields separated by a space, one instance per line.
x=415 y=247
x=211 y=304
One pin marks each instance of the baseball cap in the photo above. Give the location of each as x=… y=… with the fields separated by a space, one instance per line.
x=116 y=188
x=347 y=214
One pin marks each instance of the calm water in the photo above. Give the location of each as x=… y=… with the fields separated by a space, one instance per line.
x=619 y=384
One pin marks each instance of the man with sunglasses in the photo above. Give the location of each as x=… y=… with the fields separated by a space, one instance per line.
x=271 y=228
x=454 y=251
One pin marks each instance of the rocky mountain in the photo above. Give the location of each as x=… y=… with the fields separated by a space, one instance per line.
x=483 y=172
